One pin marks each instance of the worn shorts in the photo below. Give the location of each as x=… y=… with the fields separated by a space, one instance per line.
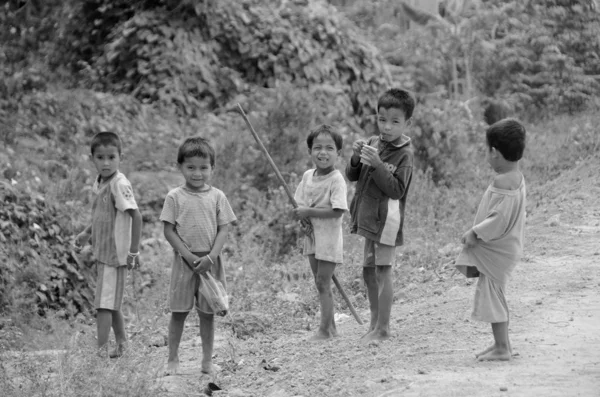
x=183 y=291
x=110 y=286
x=377 y=254
x=490 y=303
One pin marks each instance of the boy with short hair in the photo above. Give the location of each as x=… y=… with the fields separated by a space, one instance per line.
x=382 y=166
x=196 y=218
x=115 y=232
x=495 y=242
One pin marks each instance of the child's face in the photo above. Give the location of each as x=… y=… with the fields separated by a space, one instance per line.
x=324 y=153
x=391 y=123
x=197 y=172
x=106 y=160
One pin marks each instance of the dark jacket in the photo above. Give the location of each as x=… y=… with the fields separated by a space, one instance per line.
x=377 y=209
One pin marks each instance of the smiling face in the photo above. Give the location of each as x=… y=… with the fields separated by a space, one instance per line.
x=324 y=153
x=197 y=172
x=391 y=123
x=106 y=160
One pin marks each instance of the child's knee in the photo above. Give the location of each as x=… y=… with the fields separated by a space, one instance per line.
x=323 y=284
x=205 y=316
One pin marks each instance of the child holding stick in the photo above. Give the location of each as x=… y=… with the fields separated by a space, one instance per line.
x=321 y=198
x=495 y=242
x=196 y=219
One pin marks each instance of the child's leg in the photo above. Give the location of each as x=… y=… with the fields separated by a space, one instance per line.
x=493 y=345
x=370 y=277
x=385 y=298
x=118 y=326
x=207 y=335
x=323 y=272
x=103 y=324
x=501 y=350
x=175 y=331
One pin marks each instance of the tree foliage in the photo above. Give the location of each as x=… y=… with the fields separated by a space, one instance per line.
x=199 y=55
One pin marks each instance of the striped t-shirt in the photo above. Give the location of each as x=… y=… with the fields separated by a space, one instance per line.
x=111 y=225
x=197 y=215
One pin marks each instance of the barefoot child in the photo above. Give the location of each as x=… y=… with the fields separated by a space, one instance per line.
x=321 y=197
x=495 y=242
x=382 y=167
x=115 y=232
x=196 y=218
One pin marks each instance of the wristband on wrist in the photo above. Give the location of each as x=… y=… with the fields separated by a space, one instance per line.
x=133 y=254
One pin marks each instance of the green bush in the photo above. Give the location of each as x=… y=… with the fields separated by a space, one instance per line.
x=40 y=272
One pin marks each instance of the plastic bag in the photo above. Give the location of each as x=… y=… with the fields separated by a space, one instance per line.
x=213 y=291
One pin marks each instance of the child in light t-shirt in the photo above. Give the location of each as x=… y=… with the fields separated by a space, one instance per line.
x=495 y=242
x=321 y=198
x=196 y=218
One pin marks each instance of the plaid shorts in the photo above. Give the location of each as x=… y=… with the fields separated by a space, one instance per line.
x=183 y=290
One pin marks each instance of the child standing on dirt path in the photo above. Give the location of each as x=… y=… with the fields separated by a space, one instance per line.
x=196 y=218
x=382 y=167
x=321 y=198
x=115 y=231
x=495 y=242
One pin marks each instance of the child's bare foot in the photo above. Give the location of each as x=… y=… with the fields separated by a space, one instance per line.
x=376 y=335
x=321 y=335
x=172 y=367
x=495 y=354
x=209 y=368
x=118 y=352
x=487 y=350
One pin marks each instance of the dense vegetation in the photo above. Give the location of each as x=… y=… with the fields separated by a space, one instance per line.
x=157 y=70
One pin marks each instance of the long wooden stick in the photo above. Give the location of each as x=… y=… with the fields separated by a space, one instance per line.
x=293 y=201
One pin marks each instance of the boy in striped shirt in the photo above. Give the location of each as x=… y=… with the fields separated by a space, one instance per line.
x=115 y=232
x=382 y=166
x=196 y=218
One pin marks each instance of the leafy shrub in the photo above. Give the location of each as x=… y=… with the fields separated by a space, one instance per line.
x=39 y=271
x=201 y=55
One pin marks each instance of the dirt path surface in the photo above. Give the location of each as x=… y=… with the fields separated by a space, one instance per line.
x=554 y=298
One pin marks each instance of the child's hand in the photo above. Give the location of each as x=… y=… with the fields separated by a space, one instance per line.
x=202 y=265
x=357 y=147
x=469 y=239
x=133 y=261
x=370 y=155
x=81 y=239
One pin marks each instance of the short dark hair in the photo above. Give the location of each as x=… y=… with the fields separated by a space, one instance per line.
x=325 y=129
x=105 y=138
x=399 y=99
x=196 y=146
x=508 y=137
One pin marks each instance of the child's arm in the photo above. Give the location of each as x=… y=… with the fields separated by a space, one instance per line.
x=311 y=212
x=136 y=234
x=176 y=242
x=206 y=262
x=392 y=183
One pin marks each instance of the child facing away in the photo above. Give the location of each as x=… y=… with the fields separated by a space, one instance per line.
x=382 y=166
x=495 y=242
x=196 y=218
x=321 y=198
x=115 y=232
